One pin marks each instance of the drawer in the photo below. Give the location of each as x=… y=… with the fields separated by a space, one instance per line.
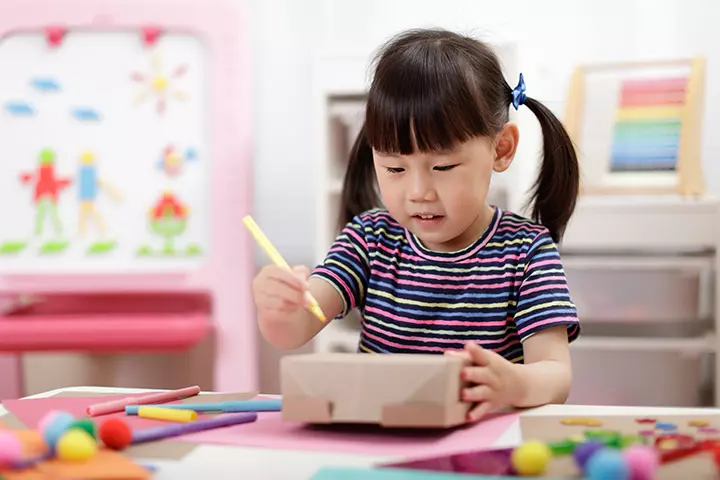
x=643 y=224
x=610 y=377
x=637 y=294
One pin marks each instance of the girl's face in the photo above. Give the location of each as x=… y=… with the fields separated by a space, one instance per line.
x=440 y=197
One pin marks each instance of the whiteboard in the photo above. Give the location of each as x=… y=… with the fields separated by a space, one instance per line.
x=83 y=131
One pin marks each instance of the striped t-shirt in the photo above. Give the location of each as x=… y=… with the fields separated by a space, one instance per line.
x=497 y=292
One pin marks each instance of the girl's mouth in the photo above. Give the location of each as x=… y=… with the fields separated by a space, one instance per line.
x=428 y=219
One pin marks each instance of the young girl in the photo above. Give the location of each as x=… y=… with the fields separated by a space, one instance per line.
x=438 y=270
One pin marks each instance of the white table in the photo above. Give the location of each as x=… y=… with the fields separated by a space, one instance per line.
x=228 y=462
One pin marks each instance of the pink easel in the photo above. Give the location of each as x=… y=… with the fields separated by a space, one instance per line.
x=155 y=310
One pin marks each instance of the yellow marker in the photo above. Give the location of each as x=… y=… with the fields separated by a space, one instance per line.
x=278 y=260
x=169 y=414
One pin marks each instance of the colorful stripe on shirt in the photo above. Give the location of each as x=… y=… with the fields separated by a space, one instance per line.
x=497 y=292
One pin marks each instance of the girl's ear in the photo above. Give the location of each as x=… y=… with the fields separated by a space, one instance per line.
x=505 y=147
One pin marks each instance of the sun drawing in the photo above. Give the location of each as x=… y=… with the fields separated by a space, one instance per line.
x=160 y=85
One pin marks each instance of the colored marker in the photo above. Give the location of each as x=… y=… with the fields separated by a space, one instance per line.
x=177 y=429
x=161 y=397
x=169 y=414
x=278 y=260
x=224 y=407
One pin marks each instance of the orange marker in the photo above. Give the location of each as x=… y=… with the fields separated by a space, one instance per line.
x=169 y=414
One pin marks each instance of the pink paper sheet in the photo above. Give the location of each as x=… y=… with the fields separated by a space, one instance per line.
x=271 y=431
x=31 y=410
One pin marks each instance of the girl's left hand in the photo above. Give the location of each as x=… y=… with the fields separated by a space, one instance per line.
x=495 y=382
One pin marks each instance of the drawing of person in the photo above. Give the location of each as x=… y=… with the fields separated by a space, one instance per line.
x=47 y=187
x=89 y=187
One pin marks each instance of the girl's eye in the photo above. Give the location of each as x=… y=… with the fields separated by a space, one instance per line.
x=395 y=169
x=445 y=168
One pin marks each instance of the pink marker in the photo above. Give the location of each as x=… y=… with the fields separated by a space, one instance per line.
x=160 y=397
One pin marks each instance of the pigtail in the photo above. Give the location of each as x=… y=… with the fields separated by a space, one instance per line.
x=359 y=193
x=555 y=191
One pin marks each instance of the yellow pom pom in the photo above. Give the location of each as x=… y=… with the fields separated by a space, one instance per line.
x=531 y=458
x=76 y=445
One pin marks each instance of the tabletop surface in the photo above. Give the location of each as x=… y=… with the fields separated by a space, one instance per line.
x=231 y=462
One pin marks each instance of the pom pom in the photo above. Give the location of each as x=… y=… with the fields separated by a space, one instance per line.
x=531 y=458
x=11 y=450
x=607 y=464
x=87 y=425
x=58 y=425
x=642 y=460
x=47 y=419
x=115 y=433
x=585 y=451
x=76 y=445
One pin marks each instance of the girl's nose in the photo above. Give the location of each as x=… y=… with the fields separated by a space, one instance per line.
x=421 y=188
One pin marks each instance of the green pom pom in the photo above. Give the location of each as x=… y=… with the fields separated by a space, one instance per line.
x=87 y=425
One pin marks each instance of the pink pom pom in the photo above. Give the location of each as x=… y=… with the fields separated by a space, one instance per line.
x=643 y=461
x=11 y=450
x=47 y=419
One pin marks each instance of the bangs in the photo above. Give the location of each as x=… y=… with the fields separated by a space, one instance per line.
x=424 y=99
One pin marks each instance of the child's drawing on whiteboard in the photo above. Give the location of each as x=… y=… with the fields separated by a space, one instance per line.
x=159 y=85
x=172 y=161
x=47 y=187
x=89 y=186
x=85 y=114
x=107 y=134
x=168 y=218
x=19 y=108
x=23 y=108
x=45 y=84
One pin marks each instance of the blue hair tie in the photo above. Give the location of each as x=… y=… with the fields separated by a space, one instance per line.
x=518 y=93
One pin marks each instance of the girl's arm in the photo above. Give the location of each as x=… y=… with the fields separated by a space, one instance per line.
x=546 y=375
x=496 y=382
x=299 y=328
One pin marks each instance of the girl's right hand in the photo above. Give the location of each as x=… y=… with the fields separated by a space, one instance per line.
x=279 y=293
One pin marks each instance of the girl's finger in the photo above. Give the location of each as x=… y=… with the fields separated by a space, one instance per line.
x=478 y=354
x=287 y=293
x=302 y=271
x=480 y=410
x=457 y=353
x=283 y=297
x=478 y=393
x=279 y=275
x=274 y=304
x=480 y=376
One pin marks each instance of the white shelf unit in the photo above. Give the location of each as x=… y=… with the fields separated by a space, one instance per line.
x=643 y=273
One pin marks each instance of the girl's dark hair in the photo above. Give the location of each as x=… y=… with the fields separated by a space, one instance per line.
x=448 y=88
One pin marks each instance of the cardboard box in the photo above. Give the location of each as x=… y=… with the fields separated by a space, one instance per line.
x=393 y=390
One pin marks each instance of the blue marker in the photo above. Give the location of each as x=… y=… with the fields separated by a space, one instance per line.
x=223 y=407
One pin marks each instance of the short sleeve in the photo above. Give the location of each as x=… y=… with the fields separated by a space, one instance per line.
x=346 y=266
x=544 y=299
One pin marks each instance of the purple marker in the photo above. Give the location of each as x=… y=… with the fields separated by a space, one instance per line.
x=159 y=433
